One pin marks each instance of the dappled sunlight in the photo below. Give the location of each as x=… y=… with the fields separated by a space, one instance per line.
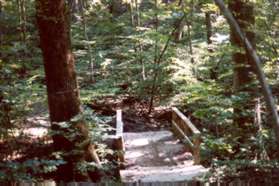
x=134 y=154
x=36 y=132
x=139 y=142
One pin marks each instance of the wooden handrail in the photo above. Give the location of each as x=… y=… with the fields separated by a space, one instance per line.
x=185 y=130
x=185 y=139
x=186 y=120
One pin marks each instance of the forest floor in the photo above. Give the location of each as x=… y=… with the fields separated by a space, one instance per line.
x=135 y=113
x=32 y=139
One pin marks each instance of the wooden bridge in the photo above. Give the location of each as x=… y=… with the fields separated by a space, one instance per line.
x=157 y=158
x=160 y=156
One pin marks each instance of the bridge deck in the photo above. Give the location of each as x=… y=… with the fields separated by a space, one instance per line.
x=157 y=157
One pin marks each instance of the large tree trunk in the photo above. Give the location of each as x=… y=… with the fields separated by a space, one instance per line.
x=62 y=88
x=63 y=95
x=243 y=12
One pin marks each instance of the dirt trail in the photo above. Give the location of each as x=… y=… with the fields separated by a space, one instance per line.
x=135 y=115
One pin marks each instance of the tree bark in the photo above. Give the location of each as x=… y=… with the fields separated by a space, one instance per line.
x=243 y=12
x=138 y=19
x=131 y=9
x=208 y=27
x=62 y=87
x=189 y=33
x=179 y=33
x=179 y=24
x=189 y=24
x=117 y=7
x=1 y=26
x=256 y=61
x=156 y=62
x=22 y=19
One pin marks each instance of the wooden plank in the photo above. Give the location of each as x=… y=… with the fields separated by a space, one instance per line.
x=182 y=135
x=120 y=147
x=192 y=127
x=196 y=151
x=182 y=125
x=183 y=128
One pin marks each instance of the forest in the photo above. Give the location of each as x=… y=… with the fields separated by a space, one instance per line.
x=141 y=90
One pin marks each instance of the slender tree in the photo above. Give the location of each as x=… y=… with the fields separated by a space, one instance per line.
x=22 y=19
x=88 y=45
x=189 y=24
x=180 y=24
x=208 y=26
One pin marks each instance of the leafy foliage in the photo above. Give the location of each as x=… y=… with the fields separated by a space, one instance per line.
x=30 y=170
x=117 y=57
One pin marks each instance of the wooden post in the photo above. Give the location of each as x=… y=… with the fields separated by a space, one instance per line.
x=119 y=135
x=196 y=150
x=183 y=128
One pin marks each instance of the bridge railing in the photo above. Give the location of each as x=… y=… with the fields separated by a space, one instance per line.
x=186 y=131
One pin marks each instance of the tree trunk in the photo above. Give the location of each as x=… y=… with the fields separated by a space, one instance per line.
x=1 y=26
x=263 y=155
x=131 y=9
x=156 y=63
x=62 y=87
x=189 y=33
x=117 y=7
x=86 y=38
x=22 y=19
x=179 y=33
x=208 y=27
x=179 y=24
x=244 y=15
x=63 y=95
x=138 y=19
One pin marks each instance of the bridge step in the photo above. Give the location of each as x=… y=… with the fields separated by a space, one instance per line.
x=174 y=174
x=157 y=157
